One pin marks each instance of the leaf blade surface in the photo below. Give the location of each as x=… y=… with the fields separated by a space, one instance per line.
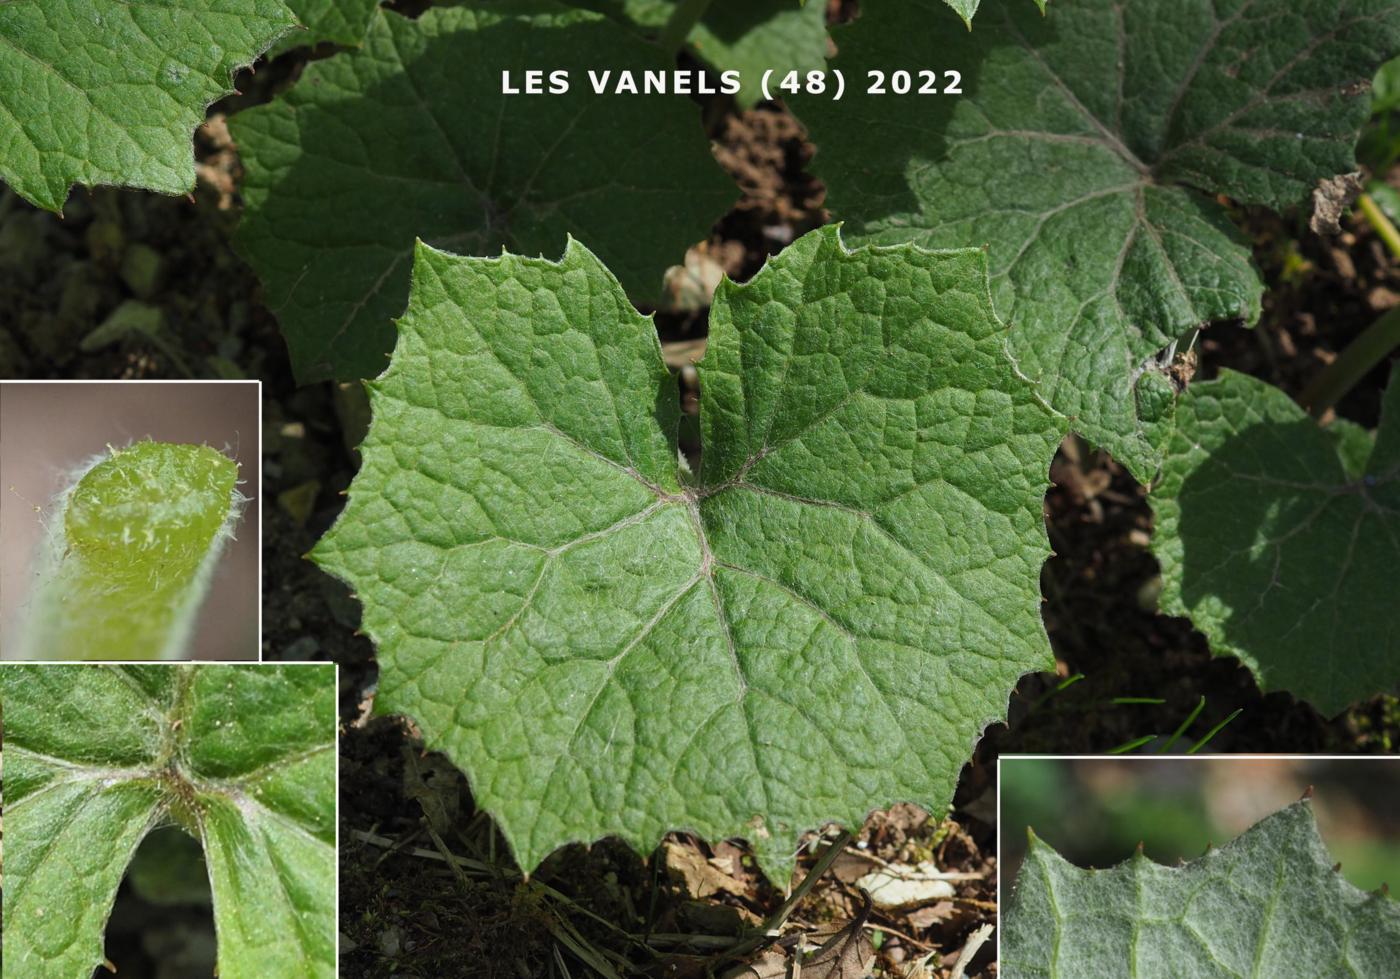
x=109 y=91
x=735 y=654
x=98 y=756
x=751 y=38
x=1268 y=903
x=1276 y=545
x=1083 y=151
x=376 y=148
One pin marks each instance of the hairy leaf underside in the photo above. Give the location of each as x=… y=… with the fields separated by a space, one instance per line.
x=1269 y=903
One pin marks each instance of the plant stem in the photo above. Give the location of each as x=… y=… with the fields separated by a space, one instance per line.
x=129 y=554
x=682 y=21
x=1380 y=223
x=1362 y=354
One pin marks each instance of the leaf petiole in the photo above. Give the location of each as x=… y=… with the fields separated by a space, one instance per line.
x=682 y=21
x=1374 y=344
x=129 y=554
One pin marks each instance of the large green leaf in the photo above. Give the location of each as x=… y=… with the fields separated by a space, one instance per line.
x=1281 y=542
x=750 y=38
x=1084 y=151
x=109 y=91
x=242 y=757
x=1269 y=903
x=410 y=137
x=823 y=621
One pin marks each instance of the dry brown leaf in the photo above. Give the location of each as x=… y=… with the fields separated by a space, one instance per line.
x=849 y=954
x=700 y=877
x=432 y=782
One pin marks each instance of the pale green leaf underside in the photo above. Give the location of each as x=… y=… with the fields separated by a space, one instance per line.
x=750 y=38
x=1083 y=153
x=110 y=91
x=824 y=623
x=410 y=137
x=98 y=756
x=1269 y=903
x=328 y=21
x=1280 y=544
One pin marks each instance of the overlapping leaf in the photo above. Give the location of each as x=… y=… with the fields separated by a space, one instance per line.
x=110 y=91
x=1280 y=541
x=1269 y=903
x=240 y=756
x=1084 y=150
x=750 y=38
x=328 y=21
x=411 y=137
x=822 y=622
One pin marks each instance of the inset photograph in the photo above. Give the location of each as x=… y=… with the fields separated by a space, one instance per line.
x=129 y=520
x=169 y=820
x=1225 y=866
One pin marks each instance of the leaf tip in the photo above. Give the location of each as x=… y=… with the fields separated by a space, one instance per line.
x=1307 y=794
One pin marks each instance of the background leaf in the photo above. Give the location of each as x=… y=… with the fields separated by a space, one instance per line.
x=823 y=624
x=328 y=21
x=241 y=756
x=966 y=9
x=750 y=38
x=109 y=91
x=409 y=137
x=1269 y=903
x=1085 y=151
x=1274 y=549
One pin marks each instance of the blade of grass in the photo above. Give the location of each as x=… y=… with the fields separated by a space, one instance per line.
x=1132 y=745
x=1138 y=700
x=1181 y=728
x=775 y=921
x=1063 y=685
x=1214 y=731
